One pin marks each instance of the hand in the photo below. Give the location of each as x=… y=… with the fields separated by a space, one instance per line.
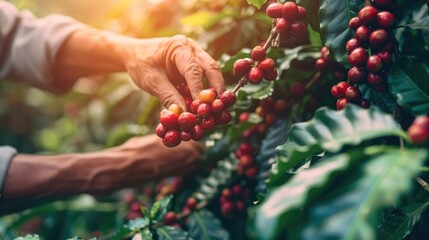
x=158 y=65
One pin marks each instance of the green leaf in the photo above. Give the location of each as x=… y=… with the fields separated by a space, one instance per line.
x=329 y=131
x=133 y=226
x=203 y=225
x=146 y=234
x=171 y=233
x=421 y=24
x=351 y=210
x=257 y=3
x=299 y=53
x=334 y=19
x=400 y=223
x=312 y=7
x=159 y=208
x=260 y=91
x=408 y=82
x=283 y=205
x=29 y=237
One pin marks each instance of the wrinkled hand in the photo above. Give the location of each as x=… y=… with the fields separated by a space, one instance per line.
x=158 y=65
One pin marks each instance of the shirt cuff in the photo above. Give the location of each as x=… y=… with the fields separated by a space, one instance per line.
x=6 y=155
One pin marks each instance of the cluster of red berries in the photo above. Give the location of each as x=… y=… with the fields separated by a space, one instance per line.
x=207 y=111
x=419 y=130
x=233 y=200
x=289 y=19
x=246 y=163
x=257 y=68
x=270 y=109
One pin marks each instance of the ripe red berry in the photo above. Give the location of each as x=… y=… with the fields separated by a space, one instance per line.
x=270 y=118
x=375 y=78
x=228 y=98
x=227 y=208
x=227 y=193
x=282 y=25
x=290 y=11
x=172 y=138
x=223 y=117
x=385 y=20
x=217 y=105
x=191 y=203
x=197 y=133
x=240 y=205
x=194 y=106
x=354 y=23
x=374 y=63
x=186 y=135
x=298 y=29
x=352 y=44
x=241 y=67
x=383 y=3
x=258 y=53
x=368 y=14
x=244 y=117
x=321 y=64
x=204 y=110
x=274 y=10
x=386 y=58
x=302 y=13
x=160 y=130
x=356 y=75
x=334 y=91
x=175 y=108
x=325 y=52
x=255 y=75
x=208 y=123
x=236 y=190
x=187 y=121
x=207 y=96
x=169 y=119
x=170 y=218
x=362 y=34
x=341 y=88
x=246 y=161
x=281 y=106
x=268 y=103
x=252 y=172
x=341 y=103
x=419 y=130
x=353 y=94
x=378 y=38
x=298 y=90
x=267 y=65
x=270 y=75
x=246 y=148
x=358 y=57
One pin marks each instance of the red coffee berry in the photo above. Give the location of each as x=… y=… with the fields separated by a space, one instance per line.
x=352 y=44
x=354 y=23
x=204 y=110
x=341 y=103
x=255 y=75
x=383 y=3
x=208 y=123
x=223 y=117
x=290 y=11
x=252 y=172
x=362 y=34
x=186 y=135
x=298 y=29
x=302 y=14
x=270 y=75
x=353 y=94
x=385 y=20
x=160 y=130
x=334 y=91
x=267 y=65
x=356 y=75
x=378 y=38
x=227 y=208
x=258 y=53
x=197 y=133
x=217 y=105
x=325 y=52
x=244 y=117
x=270 y=118
x=389 y=47
x=194 y=106
x=374 y=63
x=241 y=67
x=246 y=148
x=227 y=193
x=341 y=88
x=170 y=218
x=274 y=10
x=246 y=161
x=240 y=205
x=228 y=98
x=191 y=203
x=419 y=130
x=298 y=90
x=207 y=96
x=321 y=64
x=187 y=121
x=364 y=103
x=375 y=78
x=358 y=57
x=268 y=103
x=169 y=119
x=281 y=106
x=172 y=138
x=236 y=190
x=368 y=14
x=175 y=108
x=386 y=58
x=260 y=111
x=282 y=25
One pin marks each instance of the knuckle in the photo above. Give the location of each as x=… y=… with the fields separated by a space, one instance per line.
x=193 y=69
x=213 y=65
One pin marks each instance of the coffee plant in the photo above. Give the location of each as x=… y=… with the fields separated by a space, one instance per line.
x=322 y=133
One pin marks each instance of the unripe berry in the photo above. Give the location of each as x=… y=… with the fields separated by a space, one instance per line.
x=186 y=135
x=246 y=161
x=375 y=78
x=197 y=133
x=208 y=123
x=378 y=38
x=175 y=108
x=223 y=117
x=298 y=29
x=341 y=103
x=362 y=34
x=191 y=203
x=241 y=67
x=290 y=11
x=187 y=121
x=194 y=106
x=258 y=53
x=274 y=10
x=160 y=130
x=358 y=57
x=298 y=90
x=260 y=111
x=352 y=44
x=217 y=105
x=356 y=75
x=270 y=75
x=282 y=25
x=228 y=98
x=169 y=119
x=302 y=14
x=172 y=138
x=353 y=94
x=341 y=88
x=385 y=20
x=207 y=96
x=374 y=64
x=170 y=218
x=354 y=23
x=255 y=75
x=368 y=14
x=267 y=65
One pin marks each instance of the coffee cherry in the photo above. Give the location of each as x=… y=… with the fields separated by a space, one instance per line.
x=341 y=103
x=160 y=130
x=358 y=57
x=375 y=78
x=385 y=20
x=270 y=118
x=186 y=135
x=386 y=58
x=281 y=106
x=341 y=88
x=268 y=103
x=240 y=205
x=270 y=75
x=298 y=29
x=383 y=3
x=227 y=208
x=236 y=190
x=175 y=108
x=208 y=123
x=194 y=106
x=325 y=52
x=246 y=148
x=246 y=161
x=368 y=14
x=378 y=38
x=353 y=94
x=389 y=47
x=217 y=105
x=187 y=121
x=223 y=117
x=419 y=130
x=260 y=111
x=274 y=10
x=354 y=23
x=197 y=133
x=191 y=203
x=321 y=64
x=172 y=138
x=362 y=34
x=352 y=44
x=255 y=75
x=267 y=65
x=252 y=172
x=290 y=11
x=169 y=119
x=334 y=91
x=227 y=193
x=364 y=103
x=356 y=75
x=282 y=25
x=204 y=110
x=244 y=117
x=228 y=98
x=170 y=218
x=374 y=64
x=207 y=96
x=302 y=14
x=258 y=53
x=241 y=67
x=298 y=90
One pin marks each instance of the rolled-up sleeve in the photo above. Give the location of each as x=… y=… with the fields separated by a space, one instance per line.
x=6 y=155
x=28 y=45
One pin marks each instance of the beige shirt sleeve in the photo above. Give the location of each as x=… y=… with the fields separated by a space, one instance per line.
x=28 y=45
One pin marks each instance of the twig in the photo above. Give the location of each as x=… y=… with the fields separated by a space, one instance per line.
x=313 y=80
x=273 y=34
x=241 y=83
x=422 y=183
